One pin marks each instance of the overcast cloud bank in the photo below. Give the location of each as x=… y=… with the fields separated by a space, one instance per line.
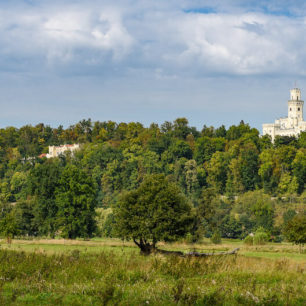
x=165 y=57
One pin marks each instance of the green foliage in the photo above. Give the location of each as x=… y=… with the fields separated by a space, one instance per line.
x=156 y=211
x=217 y=171
x=189 y=238
x=288 y=215
x=216 y=238
x=255 y=209
x=248 y=164
x=105 y=222
x=302 y=140
x=181 y=128
x=234 y=183
x=116 y=157
x=295 y=229
x=8 y=226
x=180 y=149
x=284 y=140
x=24 y=211
x=191 y=175
x=206 y=147
x=260 y=237
x=288 y=185
x=43 y=181
x=248 y=240
x=75 y=199
x=230 y=227
x=18 y=185
x=205 y=211
x=299 y=169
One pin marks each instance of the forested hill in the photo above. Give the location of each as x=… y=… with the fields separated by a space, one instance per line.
x=117 y=156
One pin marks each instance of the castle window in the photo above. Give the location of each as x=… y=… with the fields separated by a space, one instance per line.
x=299 y=109
x=290 y=109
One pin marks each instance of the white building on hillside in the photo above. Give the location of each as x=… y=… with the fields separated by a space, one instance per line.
x=292 y=125
x=55 y=151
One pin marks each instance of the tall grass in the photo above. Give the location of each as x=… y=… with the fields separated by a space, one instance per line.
x=124 y=277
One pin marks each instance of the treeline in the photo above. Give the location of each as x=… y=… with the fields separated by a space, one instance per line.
x=229 y=176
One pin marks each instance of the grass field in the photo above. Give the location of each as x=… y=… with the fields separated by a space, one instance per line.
x=112 y=272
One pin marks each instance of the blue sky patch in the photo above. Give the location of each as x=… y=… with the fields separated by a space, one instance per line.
x=203 y=10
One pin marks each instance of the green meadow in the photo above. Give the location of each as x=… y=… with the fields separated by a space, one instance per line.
x=112 y=272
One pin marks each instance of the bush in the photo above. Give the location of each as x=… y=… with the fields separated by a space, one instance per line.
x=195 y=236
x=248 y=240
x=260 y=238
x=277 y=239
x=295 y=229
x=189 y=238
x=216 y=238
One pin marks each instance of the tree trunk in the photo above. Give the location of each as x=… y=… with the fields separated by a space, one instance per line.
x=145 y=247
x=9 y=239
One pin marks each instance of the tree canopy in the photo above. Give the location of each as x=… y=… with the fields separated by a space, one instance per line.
x=234 y=179
x=295 y=229
x=156 y=211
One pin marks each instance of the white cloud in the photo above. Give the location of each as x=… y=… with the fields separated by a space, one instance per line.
x=145 y=60
x=59 y=34
x=153 y=36
x=243 y=44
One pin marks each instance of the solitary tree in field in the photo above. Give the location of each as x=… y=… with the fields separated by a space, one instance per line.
x=156 y=211
x=295 y=230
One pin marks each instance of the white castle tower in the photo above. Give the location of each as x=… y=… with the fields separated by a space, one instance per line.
x=291 y=125
x=295 y=107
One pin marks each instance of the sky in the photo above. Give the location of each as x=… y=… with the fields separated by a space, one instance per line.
x=214 y=62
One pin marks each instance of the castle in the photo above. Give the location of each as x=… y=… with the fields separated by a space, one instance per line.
x=291 y=125
x=55 y=151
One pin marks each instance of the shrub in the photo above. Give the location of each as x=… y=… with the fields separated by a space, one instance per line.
x=295 y=230
x=248 y=240
x=260 y=238
x=194 y=237
x=277 y=239
x=189 y=238
x=216 y=238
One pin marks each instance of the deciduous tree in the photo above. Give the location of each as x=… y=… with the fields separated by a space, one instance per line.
x=76 y=202
x=295 y=229
x=156 y=211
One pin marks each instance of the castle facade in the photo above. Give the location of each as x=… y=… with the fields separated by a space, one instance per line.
x=292 y=125
x=55 y=151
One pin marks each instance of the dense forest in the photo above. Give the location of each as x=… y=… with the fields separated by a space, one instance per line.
x=235 y=180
